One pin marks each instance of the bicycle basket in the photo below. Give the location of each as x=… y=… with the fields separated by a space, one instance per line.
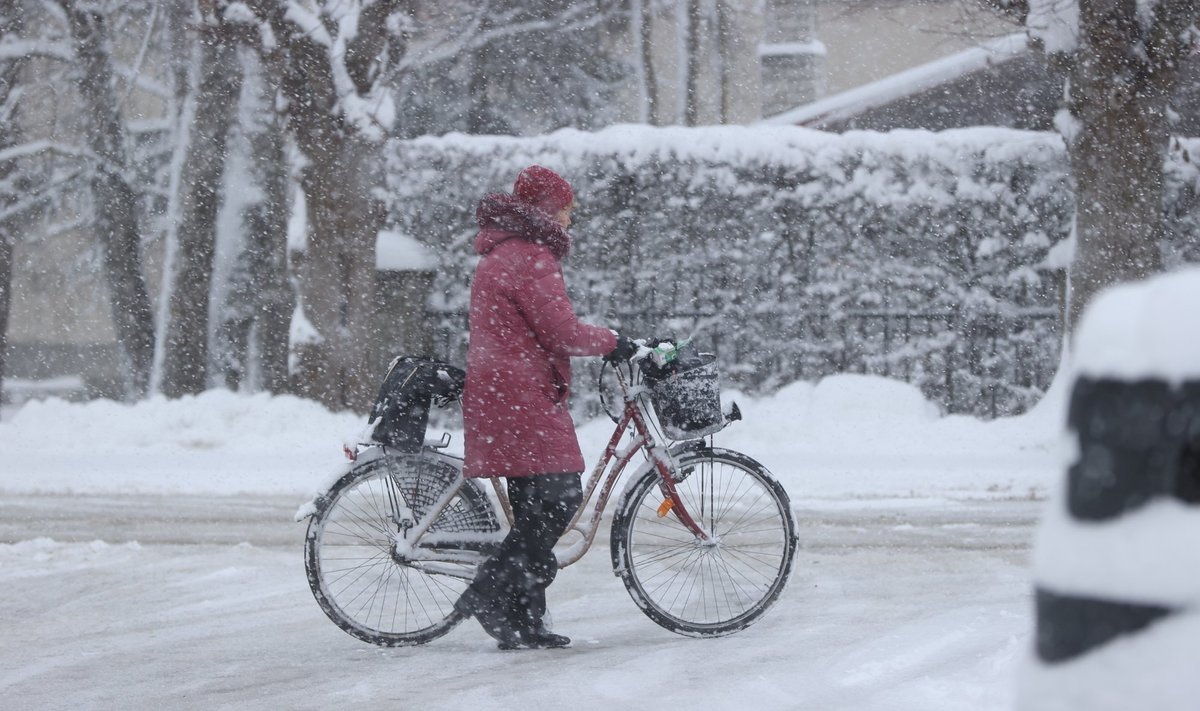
x=408 y=389
x=686 y=395
x=423 y=480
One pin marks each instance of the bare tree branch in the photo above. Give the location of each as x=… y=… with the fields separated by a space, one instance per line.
x=576 y=17
x=136 y=70
x=47 y=146
x=28 y=48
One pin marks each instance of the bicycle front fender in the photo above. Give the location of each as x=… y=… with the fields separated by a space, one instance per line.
x=676 y=452
x=688 y=447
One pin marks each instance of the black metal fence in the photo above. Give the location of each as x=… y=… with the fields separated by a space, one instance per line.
x=988 y=365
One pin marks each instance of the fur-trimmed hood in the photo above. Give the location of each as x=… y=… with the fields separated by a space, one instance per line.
x=502 y=216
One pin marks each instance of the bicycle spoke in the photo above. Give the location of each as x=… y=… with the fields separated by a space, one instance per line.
x=731 y=574
x=713 y=586
x=367 y=522
x=666 y=561
x=350 y=549
x=361 y=568
x=367 y=567
x=675 y=572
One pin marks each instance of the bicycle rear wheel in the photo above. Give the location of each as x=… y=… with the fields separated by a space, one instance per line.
x=706 y=588
x=354 y=570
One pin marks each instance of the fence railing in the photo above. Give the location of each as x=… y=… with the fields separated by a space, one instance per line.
x=988 y=365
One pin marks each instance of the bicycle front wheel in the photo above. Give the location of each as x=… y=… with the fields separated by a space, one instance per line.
x=356 y=573
x=706 y=588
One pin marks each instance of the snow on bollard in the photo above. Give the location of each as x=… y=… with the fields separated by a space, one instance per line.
x=1117 y=560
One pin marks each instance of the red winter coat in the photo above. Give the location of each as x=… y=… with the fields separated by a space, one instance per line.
x=523 y=332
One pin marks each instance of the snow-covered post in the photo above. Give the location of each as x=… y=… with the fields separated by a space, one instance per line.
x=1117 y=561
x=791 y=57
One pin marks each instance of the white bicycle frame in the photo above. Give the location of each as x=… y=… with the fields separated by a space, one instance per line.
x=635 y=415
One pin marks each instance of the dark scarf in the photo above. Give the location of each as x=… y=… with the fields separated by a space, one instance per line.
x=502 y=211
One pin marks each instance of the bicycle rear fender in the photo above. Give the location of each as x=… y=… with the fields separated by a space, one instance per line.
x=367 y=454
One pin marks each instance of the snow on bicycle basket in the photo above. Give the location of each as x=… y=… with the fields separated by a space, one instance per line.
x=686 y=394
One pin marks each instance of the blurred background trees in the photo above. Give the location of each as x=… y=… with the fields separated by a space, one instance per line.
x=10 y=190
x=207 y=177
x=195 y=134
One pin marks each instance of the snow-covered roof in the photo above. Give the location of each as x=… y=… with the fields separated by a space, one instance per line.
x=396 y=252
x=777 y=49
x=906 y=83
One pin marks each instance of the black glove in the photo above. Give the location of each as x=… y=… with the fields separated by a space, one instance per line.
x=626 y=349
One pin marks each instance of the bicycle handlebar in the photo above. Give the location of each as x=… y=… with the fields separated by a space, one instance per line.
x=662 y=352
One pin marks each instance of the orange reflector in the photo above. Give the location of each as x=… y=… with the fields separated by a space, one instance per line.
x=665 y=507
x=350 y=454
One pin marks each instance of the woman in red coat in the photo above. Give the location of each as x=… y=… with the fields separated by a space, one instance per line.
x=523 y=332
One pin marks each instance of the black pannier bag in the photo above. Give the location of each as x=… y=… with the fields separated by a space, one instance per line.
x=686 y=394
x=411 y=385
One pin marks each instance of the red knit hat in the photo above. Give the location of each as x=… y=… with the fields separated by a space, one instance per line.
x=543 y=188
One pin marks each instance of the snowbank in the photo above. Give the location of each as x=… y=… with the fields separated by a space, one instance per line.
x=846 y=435
x=217 y=442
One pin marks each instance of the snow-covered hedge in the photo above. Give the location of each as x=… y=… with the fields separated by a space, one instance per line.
x=795 y=253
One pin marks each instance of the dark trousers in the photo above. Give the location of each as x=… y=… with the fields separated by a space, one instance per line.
x=510 y=587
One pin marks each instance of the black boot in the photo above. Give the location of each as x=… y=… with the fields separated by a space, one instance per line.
x=525 y=617
x=508 y=593
x=492 y=617
x=536 y=639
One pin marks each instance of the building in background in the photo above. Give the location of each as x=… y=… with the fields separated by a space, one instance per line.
x=868 y=40
x=1001 y=83
x=791 y=56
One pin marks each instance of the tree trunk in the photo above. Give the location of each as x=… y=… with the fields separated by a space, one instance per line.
x=339 y=271
x=645 y=25
x=727 y=45
x=481 y=116
x=1121 y=81
x=185 y=361
x=344 y=216
x=6 y=249
x=739 y=27
x=266 y=229
x=10 y=26
x=693 y=45
x=259 y=275
x=114 y=200
x=312 y=105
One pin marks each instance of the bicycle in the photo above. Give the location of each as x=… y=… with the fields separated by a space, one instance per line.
x=702 y=537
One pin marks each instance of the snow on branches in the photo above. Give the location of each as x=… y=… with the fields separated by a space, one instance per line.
x=911 y=254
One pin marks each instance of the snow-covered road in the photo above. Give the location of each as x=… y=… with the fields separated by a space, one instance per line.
x=895 y=604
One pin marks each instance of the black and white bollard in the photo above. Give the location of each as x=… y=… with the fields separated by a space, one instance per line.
x=1117 y=560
